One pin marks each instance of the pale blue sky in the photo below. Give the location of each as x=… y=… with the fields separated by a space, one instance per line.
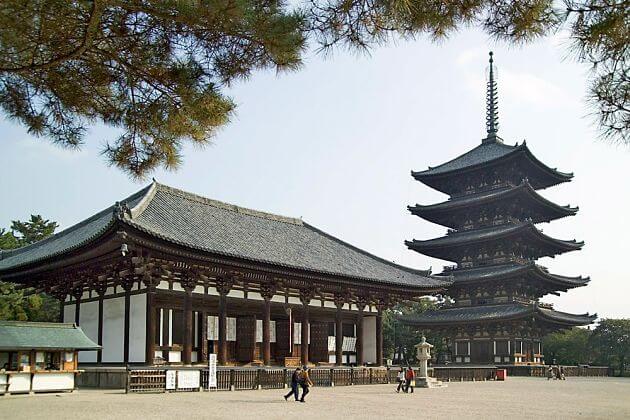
x=335 y=143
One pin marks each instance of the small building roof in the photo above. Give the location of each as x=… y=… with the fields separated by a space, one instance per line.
x=498 y=312
x=21 y=335
x=218 y=228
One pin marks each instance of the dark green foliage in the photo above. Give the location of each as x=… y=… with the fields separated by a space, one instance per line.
x=610 y=343
x=606 y=345
x=156 y=70
x=599 y=30
x=17 y=303
x=399 y=340
x=570 y=347
x=153 y=69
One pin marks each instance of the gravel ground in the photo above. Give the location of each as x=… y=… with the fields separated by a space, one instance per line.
x=516 y=398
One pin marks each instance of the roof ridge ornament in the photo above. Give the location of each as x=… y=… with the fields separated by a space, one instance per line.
x=492 y=106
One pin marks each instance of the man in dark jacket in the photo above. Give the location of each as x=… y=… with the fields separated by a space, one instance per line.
x=295 y=381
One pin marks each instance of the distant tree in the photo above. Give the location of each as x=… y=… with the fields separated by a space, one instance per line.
x=570 y=347
x=399 y=340
x=34 y=230
x=157 y=70
x=610 y=342
x=15 y=302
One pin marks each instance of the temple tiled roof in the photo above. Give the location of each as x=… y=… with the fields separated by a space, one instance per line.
x=438 y=247
x=484 y=154
x=524 y=191
x=223 y=229
x=502 y=271
x=19 y=335
x=66 y=240
x=486 y=313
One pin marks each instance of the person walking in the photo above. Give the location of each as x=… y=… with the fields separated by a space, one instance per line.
x=295 y=381
x=305 y=382
x=410 y=378
x=400 y=378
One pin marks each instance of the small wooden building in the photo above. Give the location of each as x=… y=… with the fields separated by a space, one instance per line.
x=40 y=356
x=167 y=276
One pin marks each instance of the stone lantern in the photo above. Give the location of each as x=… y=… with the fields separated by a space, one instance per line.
x=423 y=354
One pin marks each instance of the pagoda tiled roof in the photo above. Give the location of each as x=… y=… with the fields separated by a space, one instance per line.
x=223 y=229
x=497 y=312
x=486 y=154
x=439 y=247
x=503 y=271
x=435 y=212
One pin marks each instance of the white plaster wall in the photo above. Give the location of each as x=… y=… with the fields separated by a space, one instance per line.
x=137 y=327
x=113 y=329
x=199 y=289
x=369 y=339
x=236 y=294
x=278 y=298
x=88 y=319
x=162 y=285
x=68 y=313
x=254 y=296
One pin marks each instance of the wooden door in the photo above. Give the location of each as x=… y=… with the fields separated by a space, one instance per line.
x=318 y=348
x=245 y=338
x=283 y=335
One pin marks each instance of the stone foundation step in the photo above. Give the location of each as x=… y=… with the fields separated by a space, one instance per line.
x=429 y=382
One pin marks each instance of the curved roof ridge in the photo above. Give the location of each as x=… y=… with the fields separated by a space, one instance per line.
x=424 y=273
x=69 y=230
x=430 y=169
x=227 y=206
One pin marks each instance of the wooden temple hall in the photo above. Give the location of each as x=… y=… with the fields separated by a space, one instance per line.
x=166 y=276
x=493 y=240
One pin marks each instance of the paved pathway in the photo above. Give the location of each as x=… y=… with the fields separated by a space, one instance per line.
x=516 y=398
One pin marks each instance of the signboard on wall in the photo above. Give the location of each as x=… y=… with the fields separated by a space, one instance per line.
x=171 y=379
x=212 y=370
x=188 y=379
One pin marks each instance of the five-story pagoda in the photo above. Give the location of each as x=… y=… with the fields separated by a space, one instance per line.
x=492 y=214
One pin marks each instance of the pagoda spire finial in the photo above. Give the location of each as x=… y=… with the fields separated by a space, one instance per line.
x=492 y=106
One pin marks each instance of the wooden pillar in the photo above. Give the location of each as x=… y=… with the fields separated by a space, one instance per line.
x=266 y=332
x=61 y=309
x=187 y=354
x=222 y=350
x=151 y=323
x=304 y=343
x=127 y=286
x=339 y=302
x=359 y=324
x=99 y=354
x=77 y=308
x=305 y=297
x=203 y=337
x=379 y=337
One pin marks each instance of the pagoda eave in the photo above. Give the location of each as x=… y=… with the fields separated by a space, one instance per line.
x=444 y=247
x=501 y=272
x=466 y=315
